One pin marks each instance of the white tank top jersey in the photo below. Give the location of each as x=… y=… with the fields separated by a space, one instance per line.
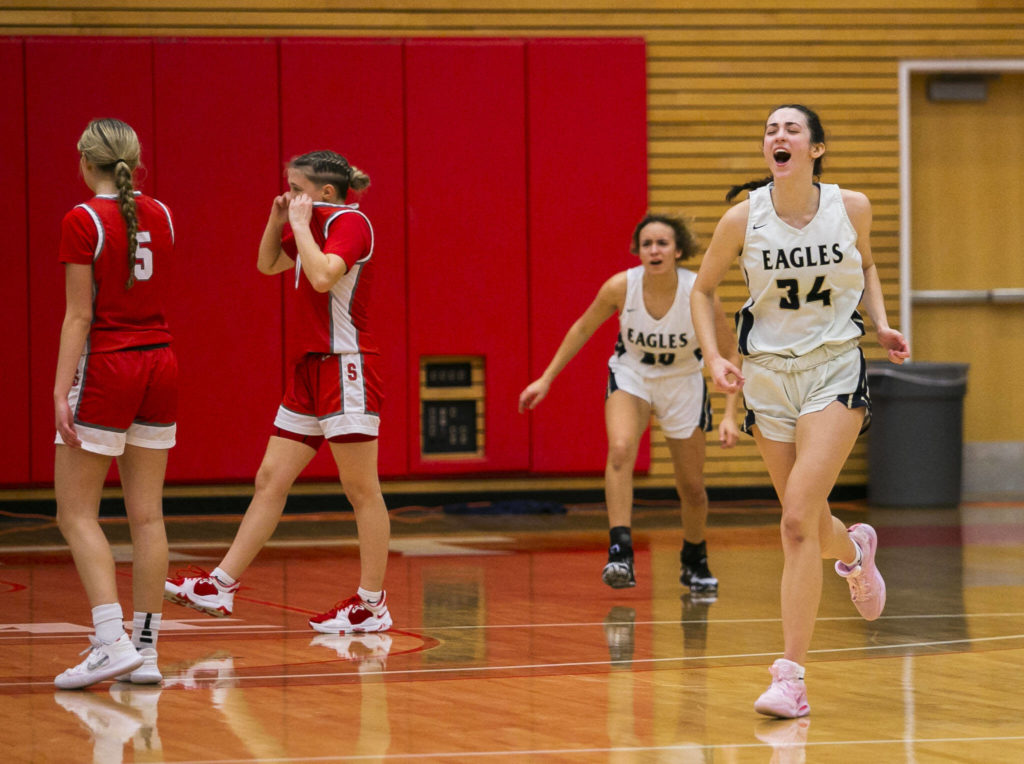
x=805 y=284
x=657 y=347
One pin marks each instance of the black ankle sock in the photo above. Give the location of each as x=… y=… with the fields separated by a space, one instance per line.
x=620 y=536
x=694 y=552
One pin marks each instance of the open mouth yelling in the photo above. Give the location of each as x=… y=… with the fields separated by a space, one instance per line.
x=781 y=156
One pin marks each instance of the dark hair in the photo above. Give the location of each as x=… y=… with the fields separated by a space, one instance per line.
x=113 y=147
x=686 y=242
x=323 y=167
x=817 y=136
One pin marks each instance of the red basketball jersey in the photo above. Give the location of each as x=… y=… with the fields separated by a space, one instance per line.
x=94 y=234
x=335 y=321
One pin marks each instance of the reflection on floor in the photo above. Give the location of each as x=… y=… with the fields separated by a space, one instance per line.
x=507 y=645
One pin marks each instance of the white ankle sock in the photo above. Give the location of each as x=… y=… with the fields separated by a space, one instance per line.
x=222 y=580
x=373 y=600
x=108 y=621
x=145 y=627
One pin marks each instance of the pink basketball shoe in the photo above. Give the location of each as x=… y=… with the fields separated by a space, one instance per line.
x=867 y=588
x=787 y=697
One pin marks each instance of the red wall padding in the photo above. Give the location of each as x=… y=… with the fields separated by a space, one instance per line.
x=467 y=257
x=69 y=82
x=14 y=403
x=358 y=113
x=588 y=189
x=507 y=176
x=217 y=142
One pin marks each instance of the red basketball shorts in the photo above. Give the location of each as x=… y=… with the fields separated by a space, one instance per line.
x=125 y=397
x=332 y=395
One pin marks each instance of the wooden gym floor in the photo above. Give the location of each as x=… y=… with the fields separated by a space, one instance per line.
x=507 y=647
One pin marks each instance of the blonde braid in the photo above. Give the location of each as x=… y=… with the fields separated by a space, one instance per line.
x=130 y=213
x=113 y=147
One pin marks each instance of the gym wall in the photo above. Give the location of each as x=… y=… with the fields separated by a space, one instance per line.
x=713 y=71
x=490 y=161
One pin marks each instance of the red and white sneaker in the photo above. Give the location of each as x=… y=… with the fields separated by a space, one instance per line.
x=867 y=587
x=353 y=615
x=200 y=591
x=787 y=697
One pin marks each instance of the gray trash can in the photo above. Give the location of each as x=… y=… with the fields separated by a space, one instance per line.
x=915 y=444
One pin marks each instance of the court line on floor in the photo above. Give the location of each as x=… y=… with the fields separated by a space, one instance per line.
x=584 y=664
x=440 y=671
x=649 y=661
x=613 y=749
x=219 y=627
x=715 y=622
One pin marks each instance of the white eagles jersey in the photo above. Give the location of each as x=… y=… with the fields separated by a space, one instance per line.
x=805 y=284
x=657 y=348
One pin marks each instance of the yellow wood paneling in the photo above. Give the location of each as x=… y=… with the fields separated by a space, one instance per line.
x=723 y=9
x=715 y=69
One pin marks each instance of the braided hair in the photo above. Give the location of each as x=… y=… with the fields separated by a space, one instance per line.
x=113 y=147
x=817 y=136
x=323 y=167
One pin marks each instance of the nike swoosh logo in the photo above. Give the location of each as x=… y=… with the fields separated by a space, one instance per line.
x=760 y=226
x=101 y=662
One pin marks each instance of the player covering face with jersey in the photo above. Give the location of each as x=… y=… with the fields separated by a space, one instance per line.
x=325 y=248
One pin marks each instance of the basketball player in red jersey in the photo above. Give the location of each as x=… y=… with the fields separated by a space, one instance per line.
x=334 y=392
x=115 y=396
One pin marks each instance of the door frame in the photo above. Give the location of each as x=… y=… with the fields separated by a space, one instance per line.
x=906 y=70
x=990 y=470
